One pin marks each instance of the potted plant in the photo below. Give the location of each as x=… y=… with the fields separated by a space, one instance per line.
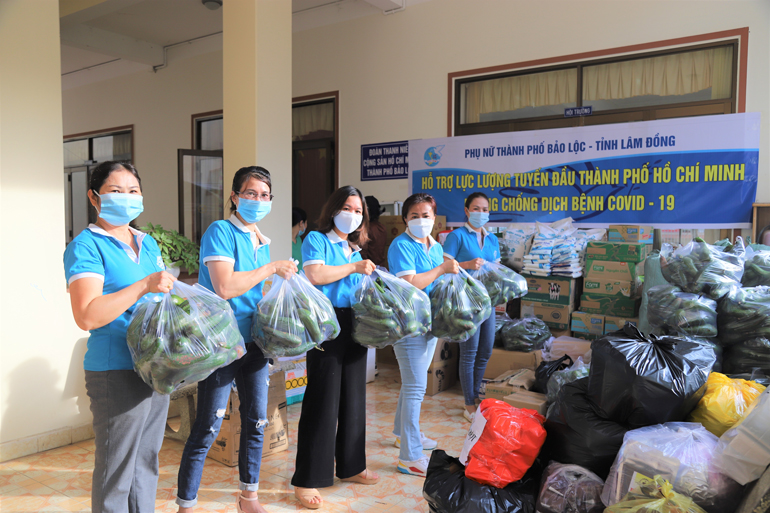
x=177 y=250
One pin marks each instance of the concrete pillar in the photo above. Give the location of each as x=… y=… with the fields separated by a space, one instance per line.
x=257 y=104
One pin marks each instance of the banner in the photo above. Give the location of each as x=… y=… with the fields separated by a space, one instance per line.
x=698 y=172
x=384 y=161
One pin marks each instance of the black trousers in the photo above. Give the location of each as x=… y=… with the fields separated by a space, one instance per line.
x=333 y=420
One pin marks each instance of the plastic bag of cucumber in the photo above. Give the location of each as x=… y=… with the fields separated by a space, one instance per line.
x=182 y=337
x=293 y=317
x=501 y=283
x=459 y=303
x=387 y=309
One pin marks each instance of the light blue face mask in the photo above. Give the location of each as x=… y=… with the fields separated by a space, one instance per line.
x=253 y=211
x=478 y=219
x=301 y=232
x=119 y=209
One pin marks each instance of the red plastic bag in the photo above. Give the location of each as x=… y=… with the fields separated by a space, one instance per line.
x=502 y=443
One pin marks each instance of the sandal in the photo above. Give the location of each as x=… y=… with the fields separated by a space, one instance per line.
x=305 y=495
x=362 y=478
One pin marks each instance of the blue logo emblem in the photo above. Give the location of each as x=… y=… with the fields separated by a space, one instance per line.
x=433 y=155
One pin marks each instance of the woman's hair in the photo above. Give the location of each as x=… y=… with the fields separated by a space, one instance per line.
x=334 y=205
x=416 y=199
x=473 y=196
x=105 y=169
x=297 y=216
x=242 y=176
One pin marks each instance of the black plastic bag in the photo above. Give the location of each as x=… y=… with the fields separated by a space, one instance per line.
x=578 y=435
x=546 y=369
x=641 y=381
x=447 y=490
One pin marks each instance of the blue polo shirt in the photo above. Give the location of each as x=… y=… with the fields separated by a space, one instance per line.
x=97 y=254
x=330 y=249
x=463 y=244
x=407 y=255
x=230 y=241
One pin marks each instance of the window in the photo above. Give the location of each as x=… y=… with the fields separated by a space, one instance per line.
x=208 y=131
x=82 y=153
x=671 y=83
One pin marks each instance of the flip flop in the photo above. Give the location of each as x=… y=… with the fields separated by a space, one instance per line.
x=305 y=495
x=362 y=479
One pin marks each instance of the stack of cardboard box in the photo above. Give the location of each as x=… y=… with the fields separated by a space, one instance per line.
x=552 y=299
x=442 y=373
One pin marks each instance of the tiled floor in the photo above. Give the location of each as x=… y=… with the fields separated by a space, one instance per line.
x=60 y=479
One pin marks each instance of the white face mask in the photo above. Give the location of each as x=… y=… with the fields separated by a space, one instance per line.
x=420 y=228
x=347 y=222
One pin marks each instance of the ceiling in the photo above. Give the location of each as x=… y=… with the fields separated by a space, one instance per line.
x=105 y=38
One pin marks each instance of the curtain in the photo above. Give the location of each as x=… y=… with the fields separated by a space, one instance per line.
x=121 y=145
x=512 y=93
x=312 y=118
x=666 y=75
x=212 y=134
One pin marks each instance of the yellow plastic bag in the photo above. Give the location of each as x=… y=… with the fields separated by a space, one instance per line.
x=656 y=496
x=725 y=402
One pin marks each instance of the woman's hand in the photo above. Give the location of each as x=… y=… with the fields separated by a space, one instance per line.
x=450 y=267
x=161 y=282
x=473 y=265
x=285 y=268
x=365 y=267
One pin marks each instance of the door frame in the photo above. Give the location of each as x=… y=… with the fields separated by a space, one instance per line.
x=181 y=153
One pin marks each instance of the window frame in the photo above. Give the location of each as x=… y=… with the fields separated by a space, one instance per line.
x=195 y=120
x=90 y=136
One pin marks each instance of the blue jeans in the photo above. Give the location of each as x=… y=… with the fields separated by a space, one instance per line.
x=474 y=355
x=414 y=356
x=251 y=378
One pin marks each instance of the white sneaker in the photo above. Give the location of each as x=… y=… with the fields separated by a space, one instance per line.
x=415 y=468
x=427 y=443
x=468 y=415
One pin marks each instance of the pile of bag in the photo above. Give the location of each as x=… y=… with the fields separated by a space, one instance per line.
x=292 y=318
x=501 y=283
x=672 y=311
x=182 y=337
x=459 y=304
x=756 y=267
x=702 y=268
x=743 y=318
x=387 y=309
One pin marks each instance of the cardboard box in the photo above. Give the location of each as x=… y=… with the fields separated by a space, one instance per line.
x=613 y=323
x=446 y=351
x=575 y=347
x=604 y=270
x=554 y=315
x=394 y=226
x=558 y=290
x=560 y=333
x=442 y=375
x=630 y=233
x=296 y=382
x=583 y=322
x=617 y=251
x=619 y=306
x=525 y=399
x=669 y=236
x=586 y=336
x=509 y=382
x=502 y=360
x=610 y=287
x=226 y=447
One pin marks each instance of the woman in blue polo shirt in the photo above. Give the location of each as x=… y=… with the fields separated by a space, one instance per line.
x=332 y=425
x=417 y=258
x=472 y=245
x=235 y=261
x=109 y=266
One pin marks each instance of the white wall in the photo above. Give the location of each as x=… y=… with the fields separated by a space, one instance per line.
x=391 y=71
x=159 y=105
x=41 y=349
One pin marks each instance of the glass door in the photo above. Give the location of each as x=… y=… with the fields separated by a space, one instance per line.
x=201 y=198
x=78 y=212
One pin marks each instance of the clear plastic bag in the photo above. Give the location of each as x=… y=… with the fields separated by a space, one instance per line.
x=756 y=267
x=517 y=240
x=652 y=276
x=747 y=357
x=641 y=381
x=459 y=304
x=526 y=334
x=501 y=283
x=656 y=496
x=671 y=310
x=182 y=337
x=292 y=318
x=701 y=268
x=388 y=309
x=561 y=377
x=569 y=489
x=725 y=402
x=744 y=314
x=680 y=452
x=743 y=452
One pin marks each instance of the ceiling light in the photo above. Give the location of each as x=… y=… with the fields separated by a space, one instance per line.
x=212 y=4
